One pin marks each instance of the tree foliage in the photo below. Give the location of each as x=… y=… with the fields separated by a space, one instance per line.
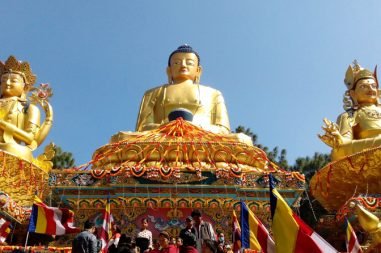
x=309 y=165
x=310 y=209
x=62 y=159
x=280 y=158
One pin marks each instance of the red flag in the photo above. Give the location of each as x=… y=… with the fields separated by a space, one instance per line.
x=352 y=243
x=105 y=233
x=291 y=234
x=4 y=229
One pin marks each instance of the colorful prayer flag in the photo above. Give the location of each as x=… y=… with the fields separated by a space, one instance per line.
x=352 y=243
x=51 y=220
x=291 y=234
x=105 y=233
x=236 y=235
x=254 y=234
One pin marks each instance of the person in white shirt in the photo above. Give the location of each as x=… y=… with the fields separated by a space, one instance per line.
x=143 y=234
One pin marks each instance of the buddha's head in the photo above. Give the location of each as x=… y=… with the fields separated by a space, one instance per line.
x=16 y=78
x=362 y=85
x=184 y=65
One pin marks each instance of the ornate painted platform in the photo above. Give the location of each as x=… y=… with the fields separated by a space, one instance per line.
x=20 y=180
x=165 y=173
x=338 y=181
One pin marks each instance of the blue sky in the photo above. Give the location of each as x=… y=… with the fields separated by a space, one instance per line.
x=279 y=64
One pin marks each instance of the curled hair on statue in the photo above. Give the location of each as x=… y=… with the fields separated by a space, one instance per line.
x=348 y=104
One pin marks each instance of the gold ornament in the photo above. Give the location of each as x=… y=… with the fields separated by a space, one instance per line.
x=355 y=73
x=12 y=65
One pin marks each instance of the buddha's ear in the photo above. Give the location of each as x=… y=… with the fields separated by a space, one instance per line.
x=198 y=76
x=199 y=70
x=169 y=75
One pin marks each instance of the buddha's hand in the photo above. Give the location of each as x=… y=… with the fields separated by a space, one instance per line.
x=332 y=136
x=47 y=108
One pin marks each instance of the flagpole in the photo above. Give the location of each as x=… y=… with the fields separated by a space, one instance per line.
x=26 y=241
x=13 y=231
x=31 y=217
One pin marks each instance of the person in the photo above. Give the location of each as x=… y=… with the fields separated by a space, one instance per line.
x=113 y=242
x=221 y=237
x=20 y=129
x=179 y=242
x=124 y=244
x=360 y=126
x=204 y=230
x=189 y=243
x=156 y=246
x=209 y=246
x=166 y=246
x=220 y=242
x=173 y=241
x=85 y=242
x=188 y=227
x=144 y=236
x=228 y=248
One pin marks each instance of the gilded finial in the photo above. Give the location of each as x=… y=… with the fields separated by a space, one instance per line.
x=12 y=65
x=355 y=73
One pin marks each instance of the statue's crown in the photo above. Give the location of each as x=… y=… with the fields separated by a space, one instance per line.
x=12 y=65
x=355 y=73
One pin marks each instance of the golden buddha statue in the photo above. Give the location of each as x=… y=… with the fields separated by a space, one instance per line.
x=184 y=91
x=20 y=129
x=359 y=127
x=182 y=125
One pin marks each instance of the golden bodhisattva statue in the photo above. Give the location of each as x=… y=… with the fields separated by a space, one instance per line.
x=359 y=127
x=20 y=128
x=356 y=143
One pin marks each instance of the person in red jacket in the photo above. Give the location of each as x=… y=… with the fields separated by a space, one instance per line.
x=156 y=246
x=164 y=239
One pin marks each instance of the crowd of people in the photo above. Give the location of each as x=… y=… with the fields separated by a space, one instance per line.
x=197 y=237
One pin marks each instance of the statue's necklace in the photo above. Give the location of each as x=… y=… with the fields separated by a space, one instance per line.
x=372 y=113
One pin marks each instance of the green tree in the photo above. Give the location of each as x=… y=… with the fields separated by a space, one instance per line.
x=273 y=155
x=62 y=159
x=310 y=209
x=309 y=165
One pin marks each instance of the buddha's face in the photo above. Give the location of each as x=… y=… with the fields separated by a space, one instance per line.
x=12 y=85
x=365 y=92
x=183 y=66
